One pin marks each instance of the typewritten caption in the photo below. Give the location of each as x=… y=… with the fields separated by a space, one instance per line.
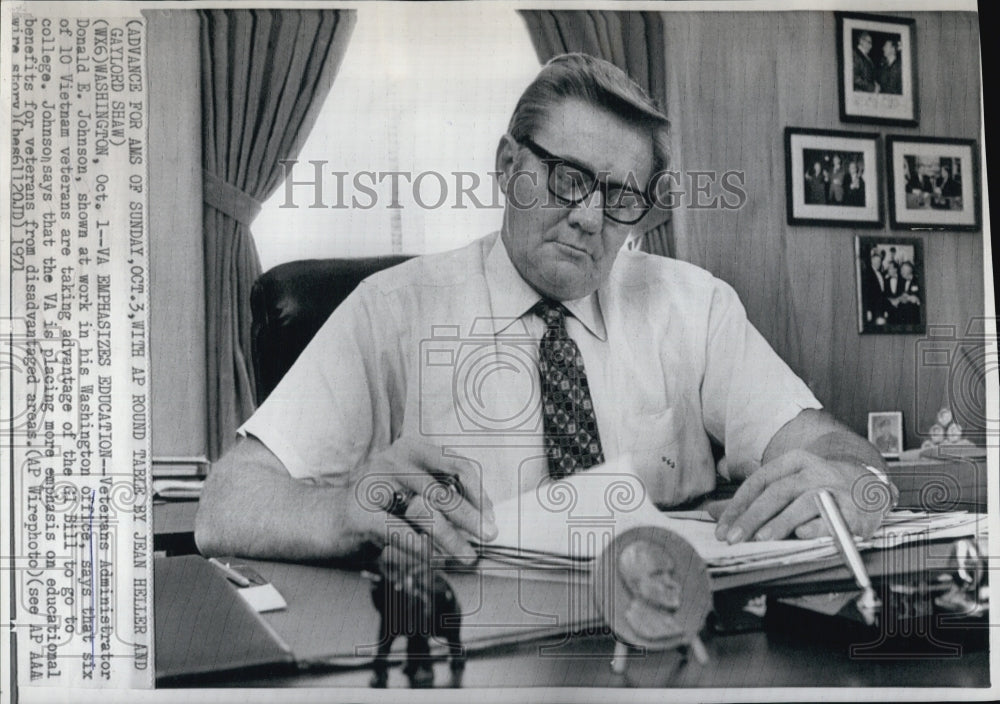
x=78 y=336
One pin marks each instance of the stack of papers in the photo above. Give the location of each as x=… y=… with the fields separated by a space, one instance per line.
x=567 y=523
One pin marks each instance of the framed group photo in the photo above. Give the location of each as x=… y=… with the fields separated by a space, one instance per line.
x=933 y=183
x=832 y=178
x=890 y=285
x=877 y=69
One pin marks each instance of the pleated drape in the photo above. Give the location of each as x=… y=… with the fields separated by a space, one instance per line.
x=632 y=41
x=265 y=75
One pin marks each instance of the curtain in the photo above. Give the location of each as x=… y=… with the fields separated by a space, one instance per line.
x=634 y=42
x=265 y=74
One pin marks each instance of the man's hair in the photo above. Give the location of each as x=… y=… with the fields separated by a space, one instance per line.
x=598 y=83
x=863 y=36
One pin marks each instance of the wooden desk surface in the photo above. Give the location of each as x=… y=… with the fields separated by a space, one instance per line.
x=738 y=661
x=324 y=606
x=745 y=660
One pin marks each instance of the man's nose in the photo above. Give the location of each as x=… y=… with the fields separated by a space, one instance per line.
x=588 y=214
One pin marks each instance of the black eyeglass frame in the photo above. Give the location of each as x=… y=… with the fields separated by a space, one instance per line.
x=551 y=160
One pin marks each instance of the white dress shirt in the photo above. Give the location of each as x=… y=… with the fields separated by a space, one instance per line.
x=445 y=348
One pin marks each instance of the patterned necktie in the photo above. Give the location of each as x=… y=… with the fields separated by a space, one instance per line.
x=571 y=438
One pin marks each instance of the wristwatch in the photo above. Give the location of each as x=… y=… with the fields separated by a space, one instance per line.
x=881 y=475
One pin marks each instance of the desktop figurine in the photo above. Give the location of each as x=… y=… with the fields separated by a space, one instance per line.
x=417 y=602
x=946 y=431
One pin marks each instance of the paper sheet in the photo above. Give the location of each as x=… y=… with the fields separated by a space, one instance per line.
x=571 y=520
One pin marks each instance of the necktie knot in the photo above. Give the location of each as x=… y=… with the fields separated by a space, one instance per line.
x=552 y=312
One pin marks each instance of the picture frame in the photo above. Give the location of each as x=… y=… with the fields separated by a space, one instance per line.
x=833 y=178
x=877 y=69
x=933 y=183
x=885 y=432
x=891 y=292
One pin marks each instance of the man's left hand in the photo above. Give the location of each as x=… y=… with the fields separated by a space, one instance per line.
x=779 y=499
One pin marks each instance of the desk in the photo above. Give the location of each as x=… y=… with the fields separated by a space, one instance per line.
x=741 y=660
x=756 y=659
x=753 y=659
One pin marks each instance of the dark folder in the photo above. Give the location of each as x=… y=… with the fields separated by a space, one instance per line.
x=204 y=629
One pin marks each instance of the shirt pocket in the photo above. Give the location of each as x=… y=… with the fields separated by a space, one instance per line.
x=654 y=442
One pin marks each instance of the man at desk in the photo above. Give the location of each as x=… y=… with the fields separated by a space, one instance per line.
x=541 y=351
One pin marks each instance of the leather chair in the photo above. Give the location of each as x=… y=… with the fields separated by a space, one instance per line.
x=290 y=303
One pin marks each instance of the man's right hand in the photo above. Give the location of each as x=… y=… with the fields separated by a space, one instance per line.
x=443 y=499
x=250 y=506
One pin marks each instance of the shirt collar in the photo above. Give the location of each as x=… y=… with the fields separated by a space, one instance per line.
x=511 y=296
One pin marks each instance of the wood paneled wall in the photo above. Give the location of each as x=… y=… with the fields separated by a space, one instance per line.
x=736 y=81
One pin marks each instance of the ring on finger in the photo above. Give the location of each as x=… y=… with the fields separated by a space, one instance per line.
x=400 y=503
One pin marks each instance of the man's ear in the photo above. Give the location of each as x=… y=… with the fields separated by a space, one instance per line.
x=506 y=157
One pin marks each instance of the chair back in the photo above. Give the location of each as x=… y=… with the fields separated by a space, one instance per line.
x=290 y=303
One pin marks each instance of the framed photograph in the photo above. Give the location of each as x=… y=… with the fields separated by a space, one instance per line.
x=885 y=431
x=890 y=278
x=933 y=183
x=832 y=178
x=877 y=69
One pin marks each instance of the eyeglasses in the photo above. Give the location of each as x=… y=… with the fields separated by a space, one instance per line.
x=571 y=183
